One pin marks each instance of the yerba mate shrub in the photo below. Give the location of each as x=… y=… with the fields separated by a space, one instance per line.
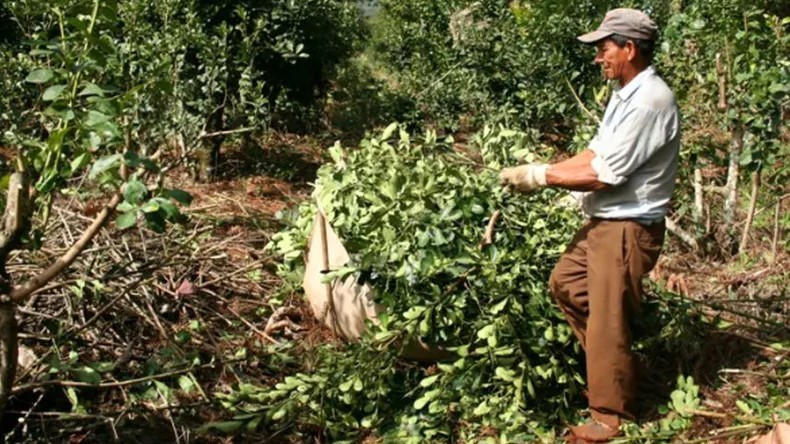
x=412 y=214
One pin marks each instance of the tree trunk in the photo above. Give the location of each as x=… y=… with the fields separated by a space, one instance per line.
x=8 y=351
x=752 y=208
x=209 y=155
x=16 y=221
x=698 y=197
x=736 y=147
x=733 y=171
x=775 y=240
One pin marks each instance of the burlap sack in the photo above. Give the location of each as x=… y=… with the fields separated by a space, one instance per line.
x=779 y=435
x=352 y=302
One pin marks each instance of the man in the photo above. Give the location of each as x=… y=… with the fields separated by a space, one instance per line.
x=627 y=174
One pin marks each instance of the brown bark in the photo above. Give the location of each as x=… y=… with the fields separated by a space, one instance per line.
x=16 y=221
x=699 y=197
x=16 y=218
x=752 y=208
x=721 y=74
x=775 y=241
x=8 y=351
x=733 y=173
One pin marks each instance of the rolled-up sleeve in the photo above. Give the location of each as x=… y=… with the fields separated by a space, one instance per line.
x=638 y=136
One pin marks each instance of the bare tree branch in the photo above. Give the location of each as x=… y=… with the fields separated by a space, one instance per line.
x=18 y=294
x=16 y=218
x=752 y=208
x=684 y=235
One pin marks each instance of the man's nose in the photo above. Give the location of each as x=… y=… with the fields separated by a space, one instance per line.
x=598 y=58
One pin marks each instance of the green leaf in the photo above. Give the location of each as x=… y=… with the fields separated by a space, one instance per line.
x=53 y=92
x=96 y=118
x=104 y=164
x=389 y=130
x=126 y=220
x=71 y=393
x=155 y=221
x=427 y=382
x=482 y=409
x=152 y=206
x=186 y=383
x=499 y=306
x=80 y=162
x=228 y=427
x=87 y=374
x=103 y=367
x=169 y=209
x=134 y=191
x=41 y=75
x=254 y=423
x=125 y=207
x=279 y=414
x=134 y=160
x=486 y=332
x=91 y=89
x=744 y=407
x=421 y=402
x=505 y=374
x=179 y=196
x=336 y=152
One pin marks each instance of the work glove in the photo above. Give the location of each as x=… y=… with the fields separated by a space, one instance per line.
x=525 y=178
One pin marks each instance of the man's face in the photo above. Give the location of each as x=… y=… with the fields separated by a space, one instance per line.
x=613 y=58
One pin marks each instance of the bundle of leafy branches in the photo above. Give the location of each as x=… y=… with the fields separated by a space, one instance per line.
x=412 y=214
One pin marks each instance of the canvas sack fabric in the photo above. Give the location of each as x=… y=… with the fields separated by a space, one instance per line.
x=354 y=302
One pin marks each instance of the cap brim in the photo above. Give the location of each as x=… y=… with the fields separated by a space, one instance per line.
x=593 y=37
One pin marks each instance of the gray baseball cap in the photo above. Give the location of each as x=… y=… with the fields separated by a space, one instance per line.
x=626 y=22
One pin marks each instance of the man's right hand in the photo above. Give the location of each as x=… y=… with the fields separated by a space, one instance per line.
x=524 y=178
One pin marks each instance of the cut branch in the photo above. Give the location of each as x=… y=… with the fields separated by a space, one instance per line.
x=721 y=73
x=16 y=218
x=580 y=103
x=488 y=237
x=698 y=196
x=225 y=133
x=682 y=234
x=733 y=171
x=775 y=241
x=752 y=208
x=114 y=384
x=20 y=293
x=8 y=351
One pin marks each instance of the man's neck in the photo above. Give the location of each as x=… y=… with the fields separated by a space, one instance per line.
x=631 y=71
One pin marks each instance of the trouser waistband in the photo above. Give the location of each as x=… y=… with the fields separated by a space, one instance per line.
x=639 y=220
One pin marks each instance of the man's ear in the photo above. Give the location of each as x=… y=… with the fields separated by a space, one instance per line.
x=631 y=50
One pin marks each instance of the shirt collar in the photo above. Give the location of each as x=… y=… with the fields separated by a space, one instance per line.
x=626 y=91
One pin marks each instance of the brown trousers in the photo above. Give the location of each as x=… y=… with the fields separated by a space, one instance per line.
x=598 y=285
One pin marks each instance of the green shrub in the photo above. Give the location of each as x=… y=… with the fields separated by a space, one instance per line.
x=197 y=66
x=469 y=61
x=412 y=213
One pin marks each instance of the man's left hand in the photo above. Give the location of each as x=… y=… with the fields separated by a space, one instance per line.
x=524 y=178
